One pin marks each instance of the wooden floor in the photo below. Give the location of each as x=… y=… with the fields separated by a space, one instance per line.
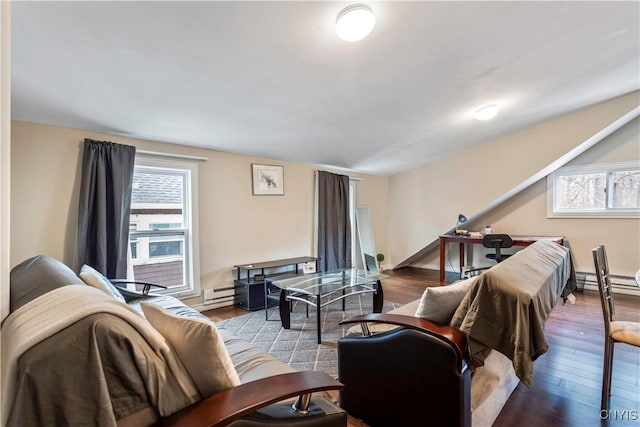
x=567 y=379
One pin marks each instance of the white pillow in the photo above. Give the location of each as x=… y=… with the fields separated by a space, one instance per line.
x=93 y=277
x=439 y=303
x=199 y=346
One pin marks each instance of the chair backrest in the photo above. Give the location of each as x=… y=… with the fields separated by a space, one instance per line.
x=604 y=285
x=497 y=241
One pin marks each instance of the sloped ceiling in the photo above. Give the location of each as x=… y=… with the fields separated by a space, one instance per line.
x=272 y=79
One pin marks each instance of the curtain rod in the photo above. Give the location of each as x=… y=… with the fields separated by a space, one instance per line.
x=174 y=156
x=353 y=178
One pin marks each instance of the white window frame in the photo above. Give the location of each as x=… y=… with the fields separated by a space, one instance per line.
x=352 y=217
x=607 y=212
x=191 y=248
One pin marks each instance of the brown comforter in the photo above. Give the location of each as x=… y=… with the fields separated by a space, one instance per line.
x=507 y=306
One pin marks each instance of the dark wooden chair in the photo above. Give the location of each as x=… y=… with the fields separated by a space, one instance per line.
x=615 y=331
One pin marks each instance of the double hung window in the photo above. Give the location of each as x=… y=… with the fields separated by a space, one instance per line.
x=163 y=225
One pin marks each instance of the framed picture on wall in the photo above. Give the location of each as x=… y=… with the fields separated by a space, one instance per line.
x=268 y=180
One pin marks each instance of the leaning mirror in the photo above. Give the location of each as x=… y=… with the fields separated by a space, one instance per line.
x=365 y=239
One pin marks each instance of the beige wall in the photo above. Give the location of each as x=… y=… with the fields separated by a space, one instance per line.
x=469 y=186
x=235 y=226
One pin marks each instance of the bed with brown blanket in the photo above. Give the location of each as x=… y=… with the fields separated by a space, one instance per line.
x=507 y=306
x=495 y=329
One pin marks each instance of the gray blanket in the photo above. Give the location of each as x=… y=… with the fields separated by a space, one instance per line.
x=507 y=306
x=76 y=356
x=102 y=369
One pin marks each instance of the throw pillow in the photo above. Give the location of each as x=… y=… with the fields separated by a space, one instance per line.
x=439 y=303
x=199 y=346
x=93 y=277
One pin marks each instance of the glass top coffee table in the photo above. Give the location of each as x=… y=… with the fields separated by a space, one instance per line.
x=321 y=289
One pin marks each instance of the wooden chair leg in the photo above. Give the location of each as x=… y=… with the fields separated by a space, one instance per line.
x=610 y=373
x=606 y=374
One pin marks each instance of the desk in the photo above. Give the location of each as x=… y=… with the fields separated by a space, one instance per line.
x=462 y=240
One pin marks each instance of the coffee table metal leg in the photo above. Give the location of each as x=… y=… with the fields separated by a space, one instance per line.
x=318 y=309
x=266 y=301
x=285 y=316
x=378 y=298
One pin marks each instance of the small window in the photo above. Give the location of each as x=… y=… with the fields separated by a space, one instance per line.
x=134 y=249
x=608 y=190
x=133 y=241
x=165 y=226
x=165 y=249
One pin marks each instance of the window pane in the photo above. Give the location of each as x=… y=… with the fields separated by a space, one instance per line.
x=134 y=250
x=163 y=261
x=158 y=198
x=165 y=226
x=157 y=249
x=625 y=190
x=581 y=192
x=169 y=273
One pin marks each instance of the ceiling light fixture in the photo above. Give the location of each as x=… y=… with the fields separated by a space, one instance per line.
x=354 y=22
x=487 y=112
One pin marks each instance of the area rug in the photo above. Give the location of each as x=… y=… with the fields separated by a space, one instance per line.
x=298 y=346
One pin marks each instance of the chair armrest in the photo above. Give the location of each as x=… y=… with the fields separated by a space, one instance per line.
x=147 y=285
x=454 y=337
x=227 y=406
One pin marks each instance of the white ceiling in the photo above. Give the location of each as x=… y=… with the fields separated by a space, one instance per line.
x=272 y=79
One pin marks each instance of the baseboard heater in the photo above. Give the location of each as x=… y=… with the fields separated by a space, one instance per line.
x=619 y=284
x=217 y=297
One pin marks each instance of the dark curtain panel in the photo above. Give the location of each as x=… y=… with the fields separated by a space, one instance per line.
x=334 y=226
x=105 y=201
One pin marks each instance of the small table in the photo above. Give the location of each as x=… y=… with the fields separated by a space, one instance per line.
x=311 y=289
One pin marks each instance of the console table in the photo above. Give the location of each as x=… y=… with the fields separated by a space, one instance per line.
x=462 y=240
x=250 y=278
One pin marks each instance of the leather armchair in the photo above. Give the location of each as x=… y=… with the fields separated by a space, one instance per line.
x=412 y=375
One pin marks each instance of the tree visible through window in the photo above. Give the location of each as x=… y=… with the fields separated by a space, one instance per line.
x=600 y=190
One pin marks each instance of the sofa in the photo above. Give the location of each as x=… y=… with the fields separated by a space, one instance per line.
x=454 y=356
x=78 y=355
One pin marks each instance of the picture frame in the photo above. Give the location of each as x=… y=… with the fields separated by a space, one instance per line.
x=309 y=267
x=268 y=180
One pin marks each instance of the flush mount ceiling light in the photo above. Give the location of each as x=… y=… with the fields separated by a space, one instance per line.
x=486 y=112
x=354 y=22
